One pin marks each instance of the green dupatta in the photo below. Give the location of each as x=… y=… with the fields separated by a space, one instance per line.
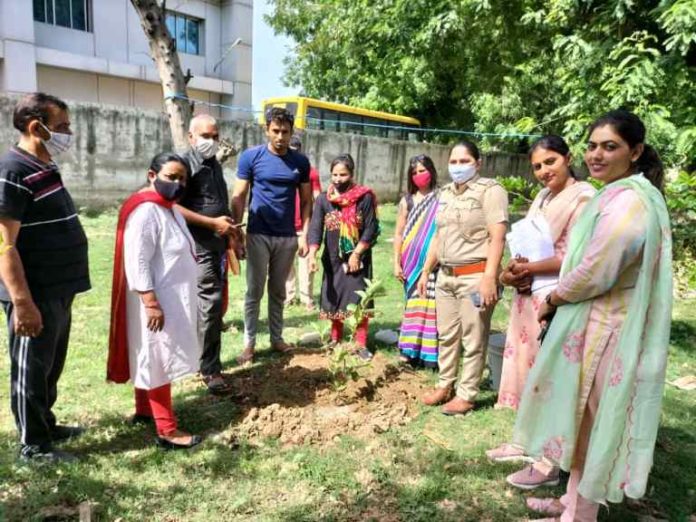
x=620 y=451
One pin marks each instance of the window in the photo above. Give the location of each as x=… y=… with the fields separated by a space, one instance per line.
x=375 y=127
x=351 y=123
x=313 y=118
x=395 y=134
x=74 y=14
x=331 y=120
x=186 y=32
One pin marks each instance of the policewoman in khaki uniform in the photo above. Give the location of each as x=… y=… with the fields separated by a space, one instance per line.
x=468 y=245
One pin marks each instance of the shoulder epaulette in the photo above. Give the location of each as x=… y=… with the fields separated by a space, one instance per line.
x=488 y=182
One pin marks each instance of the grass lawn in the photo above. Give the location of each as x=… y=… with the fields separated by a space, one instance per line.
x=432 y=468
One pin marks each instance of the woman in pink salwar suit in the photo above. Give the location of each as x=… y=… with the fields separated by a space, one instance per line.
x=559 y=203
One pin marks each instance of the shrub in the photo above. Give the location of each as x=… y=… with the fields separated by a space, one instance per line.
x=681 y=202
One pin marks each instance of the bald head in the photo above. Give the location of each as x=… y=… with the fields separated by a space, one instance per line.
x=203 y=127
x=200 y=121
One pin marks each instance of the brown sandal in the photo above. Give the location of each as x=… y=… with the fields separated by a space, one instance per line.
x=246 y=357
x=282 y=347
x=216 y=384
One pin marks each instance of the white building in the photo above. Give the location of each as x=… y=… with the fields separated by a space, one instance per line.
x=96 y=51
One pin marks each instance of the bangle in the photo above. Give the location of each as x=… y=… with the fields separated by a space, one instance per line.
x=154 y=304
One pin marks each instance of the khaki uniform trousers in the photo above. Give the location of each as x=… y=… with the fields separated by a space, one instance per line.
x=462 y=329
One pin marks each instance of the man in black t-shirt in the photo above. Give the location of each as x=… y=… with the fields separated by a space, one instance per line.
x=206 y=208
x=42 y=267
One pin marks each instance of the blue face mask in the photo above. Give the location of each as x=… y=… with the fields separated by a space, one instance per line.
x=461 y=173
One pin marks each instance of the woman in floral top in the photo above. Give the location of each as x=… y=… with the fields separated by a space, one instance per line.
x=345 y=218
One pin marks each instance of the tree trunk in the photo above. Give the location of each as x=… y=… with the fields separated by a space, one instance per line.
x=163 y=53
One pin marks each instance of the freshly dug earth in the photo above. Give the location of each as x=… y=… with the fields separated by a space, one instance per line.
x=291 y=399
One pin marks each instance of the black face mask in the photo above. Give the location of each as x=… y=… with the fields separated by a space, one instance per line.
x=342 y=187
x=169 y=190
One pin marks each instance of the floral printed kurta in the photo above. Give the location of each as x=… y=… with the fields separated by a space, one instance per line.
x=521 y=344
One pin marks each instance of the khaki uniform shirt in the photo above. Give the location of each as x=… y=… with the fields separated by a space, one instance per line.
x=463 y=218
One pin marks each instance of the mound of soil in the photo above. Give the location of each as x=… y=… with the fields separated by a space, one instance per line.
x=292 y=400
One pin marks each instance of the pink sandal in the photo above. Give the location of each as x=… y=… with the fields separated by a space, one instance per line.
x=546 y=506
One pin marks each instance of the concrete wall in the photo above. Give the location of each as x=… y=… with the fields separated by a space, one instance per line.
x=382 y=163
x=113 y=147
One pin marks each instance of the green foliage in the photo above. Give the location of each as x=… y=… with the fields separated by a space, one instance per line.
x=681 y=202
x=521 y=192
x=497 y=66
x=344 y=366
x=365 y=306
x=323 y=330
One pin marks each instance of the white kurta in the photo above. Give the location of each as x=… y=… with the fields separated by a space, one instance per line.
x=159 y=255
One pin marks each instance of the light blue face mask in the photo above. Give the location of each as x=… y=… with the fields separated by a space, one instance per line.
x=461 y=173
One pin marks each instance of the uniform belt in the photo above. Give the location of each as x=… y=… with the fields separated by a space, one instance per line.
x=462 y=270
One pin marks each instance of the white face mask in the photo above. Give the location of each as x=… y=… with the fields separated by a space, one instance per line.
x=461 y=173
x=206 y=147
x=57 y=143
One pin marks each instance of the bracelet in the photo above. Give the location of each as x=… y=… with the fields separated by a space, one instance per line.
x=152 y=305
x=548 y=301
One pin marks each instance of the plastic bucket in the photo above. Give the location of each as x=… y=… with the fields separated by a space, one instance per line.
x=496 y=347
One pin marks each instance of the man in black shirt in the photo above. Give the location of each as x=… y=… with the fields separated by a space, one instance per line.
x=42 y=267
x=206 y=208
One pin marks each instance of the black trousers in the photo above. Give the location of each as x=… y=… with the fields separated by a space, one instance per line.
x=36 y=365
x=210 y=284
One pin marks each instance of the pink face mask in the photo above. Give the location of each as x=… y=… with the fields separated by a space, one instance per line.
x=422 y=180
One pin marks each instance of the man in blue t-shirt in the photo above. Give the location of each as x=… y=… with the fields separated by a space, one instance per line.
x=271 y=175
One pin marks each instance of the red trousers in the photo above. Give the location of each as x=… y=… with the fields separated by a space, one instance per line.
x=360 y=333
x=157 y=403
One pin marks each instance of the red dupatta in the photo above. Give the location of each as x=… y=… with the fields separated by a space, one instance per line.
x=349 y=233
x=117 y=368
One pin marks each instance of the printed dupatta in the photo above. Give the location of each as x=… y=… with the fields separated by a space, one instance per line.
x=620 y=451
x=561 y=209
x=349 y=232
x=419 y=232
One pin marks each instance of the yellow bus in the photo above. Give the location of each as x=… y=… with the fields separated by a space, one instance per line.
x=321 y=115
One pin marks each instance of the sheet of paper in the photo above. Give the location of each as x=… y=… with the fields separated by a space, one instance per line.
x=531 y=238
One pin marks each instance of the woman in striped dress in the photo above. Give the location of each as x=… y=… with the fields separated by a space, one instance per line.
x=415 y=227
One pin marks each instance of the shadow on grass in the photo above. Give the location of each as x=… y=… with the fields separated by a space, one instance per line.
x=683 y=337
x=440 y=493
x=452 y=486
x=54 y=492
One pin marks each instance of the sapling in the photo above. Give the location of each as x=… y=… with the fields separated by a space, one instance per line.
x=345 y=366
